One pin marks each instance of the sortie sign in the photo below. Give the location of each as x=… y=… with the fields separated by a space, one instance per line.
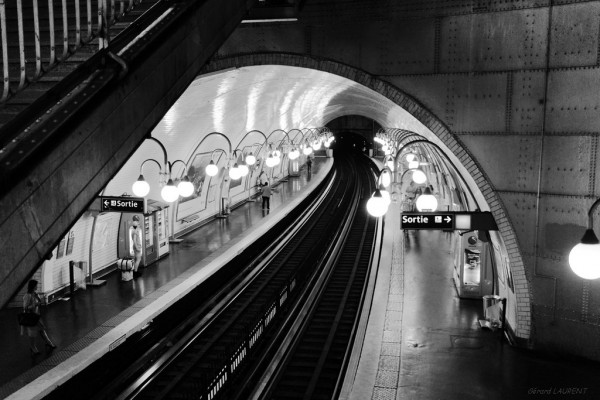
x=430 y=220
x=122 y=204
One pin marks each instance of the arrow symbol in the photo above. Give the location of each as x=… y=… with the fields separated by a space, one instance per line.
x=106 y=203
x=448 y=218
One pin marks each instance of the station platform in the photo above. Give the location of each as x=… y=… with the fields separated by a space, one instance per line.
x=98 y=319
x=424 y=342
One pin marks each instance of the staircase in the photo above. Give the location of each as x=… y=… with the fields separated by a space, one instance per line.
x=43 y=41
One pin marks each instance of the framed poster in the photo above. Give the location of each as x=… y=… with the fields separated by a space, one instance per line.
x=70 y=242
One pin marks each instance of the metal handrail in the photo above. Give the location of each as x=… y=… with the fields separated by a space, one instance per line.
x=16 y=20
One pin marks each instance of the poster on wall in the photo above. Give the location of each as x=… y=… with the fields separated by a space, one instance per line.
x=197 y=174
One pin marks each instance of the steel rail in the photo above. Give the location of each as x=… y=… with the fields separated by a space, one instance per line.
x=277 y=368
x=170 y=358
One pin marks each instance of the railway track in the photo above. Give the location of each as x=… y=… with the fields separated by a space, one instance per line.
x=316 y=275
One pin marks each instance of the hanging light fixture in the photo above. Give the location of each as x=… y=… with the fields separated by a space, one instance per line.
x=316 y=145
x=410 y=157
x=250 y=159
x=307 y=150
x=169 y=192
x=418 y=176
x=244 y=170
x=270 y=161
x=140 y=187
x=294 y=154
x=276 y=157
x=426 y=201
x=185 y=188
x=386 y=178
x=234 y=172
x=376 y=205
x=584 y=258
x=389 y=162
x=211 y=169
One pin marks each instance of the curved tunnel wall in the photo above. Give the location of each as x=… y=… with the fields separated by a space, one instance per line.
x=467 y=166
x=516 y=83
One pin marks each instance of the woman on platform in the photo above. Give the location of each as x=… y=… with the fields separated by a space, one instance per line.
x=31 y=304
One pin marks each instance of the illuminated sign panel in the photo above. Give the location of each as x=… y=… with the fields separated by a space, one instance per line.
x=431 y=220
x=122 y=204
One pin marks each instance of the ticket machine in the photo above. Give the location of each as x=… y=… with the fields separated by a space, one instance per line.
x=473 y=273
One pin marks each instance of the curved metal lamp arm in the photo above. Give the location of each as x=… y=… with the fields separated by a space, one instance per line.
x=163 y=149
x=150 y=159
x=297 y=130
x=389 y=171
x=210 y=134
x=440 y=151
x=249 y=132
x=591 y=214
x=170 y=164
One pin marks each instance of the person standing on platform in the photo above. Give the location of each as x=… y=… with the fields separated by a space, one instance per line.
x=31 y=304
x=135 y=244
x=309 y=164
x=266 y=196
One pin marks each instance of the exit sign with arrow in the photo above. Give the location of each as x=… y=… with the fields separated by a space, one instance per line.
x=122 y=204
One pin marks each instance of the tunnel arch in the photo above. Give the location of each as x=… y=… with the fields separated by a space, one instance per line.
x=522 y=288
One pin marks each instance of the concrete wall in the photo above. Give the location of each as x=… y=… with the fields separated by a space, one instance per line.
x=516 y=83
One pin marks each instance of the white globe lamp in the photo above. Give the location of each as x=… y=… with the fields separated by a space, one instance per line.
x=584 y=258
x=419 y=177
x=140 y=187
x=234 y=172
x=307 y=150
x=250 y=159
x=270 y=161
x=211 y=169
x=426 y=201
x=410 y=157
x=376 y=205
x=386 y=179
x=169 y=192
x=244 y=170
x=185 y=188
x=413 y=164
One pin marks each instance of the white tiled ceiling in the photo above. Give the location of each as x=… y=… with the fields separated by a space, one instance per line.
x=267 y=98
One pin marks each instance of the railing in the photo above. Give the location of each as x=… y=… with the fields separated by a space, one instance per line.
x=36 y=29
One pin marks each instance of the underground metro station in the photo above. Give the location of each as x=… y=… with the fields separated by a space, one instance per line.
x=300 y=199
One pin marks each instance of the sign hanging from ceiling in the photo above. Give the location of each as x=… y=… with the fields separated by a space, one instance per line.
x=428 y=220
x=122 y=204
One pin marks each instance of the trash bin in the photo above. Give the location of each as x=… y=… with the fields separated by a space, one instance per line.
x=491 y=308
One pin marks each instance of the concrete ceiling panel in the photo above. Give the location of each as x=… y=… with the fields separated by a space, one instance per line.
x=526 y=94
x=573 y=174
x=494 y=41
x=288 y=37
x=510 y=162
x=573 y=100
x=574 y=40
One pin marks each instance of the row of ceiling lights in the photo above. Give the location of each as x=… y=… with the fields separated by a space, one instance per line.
x=584 y=258
x=171 y=192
